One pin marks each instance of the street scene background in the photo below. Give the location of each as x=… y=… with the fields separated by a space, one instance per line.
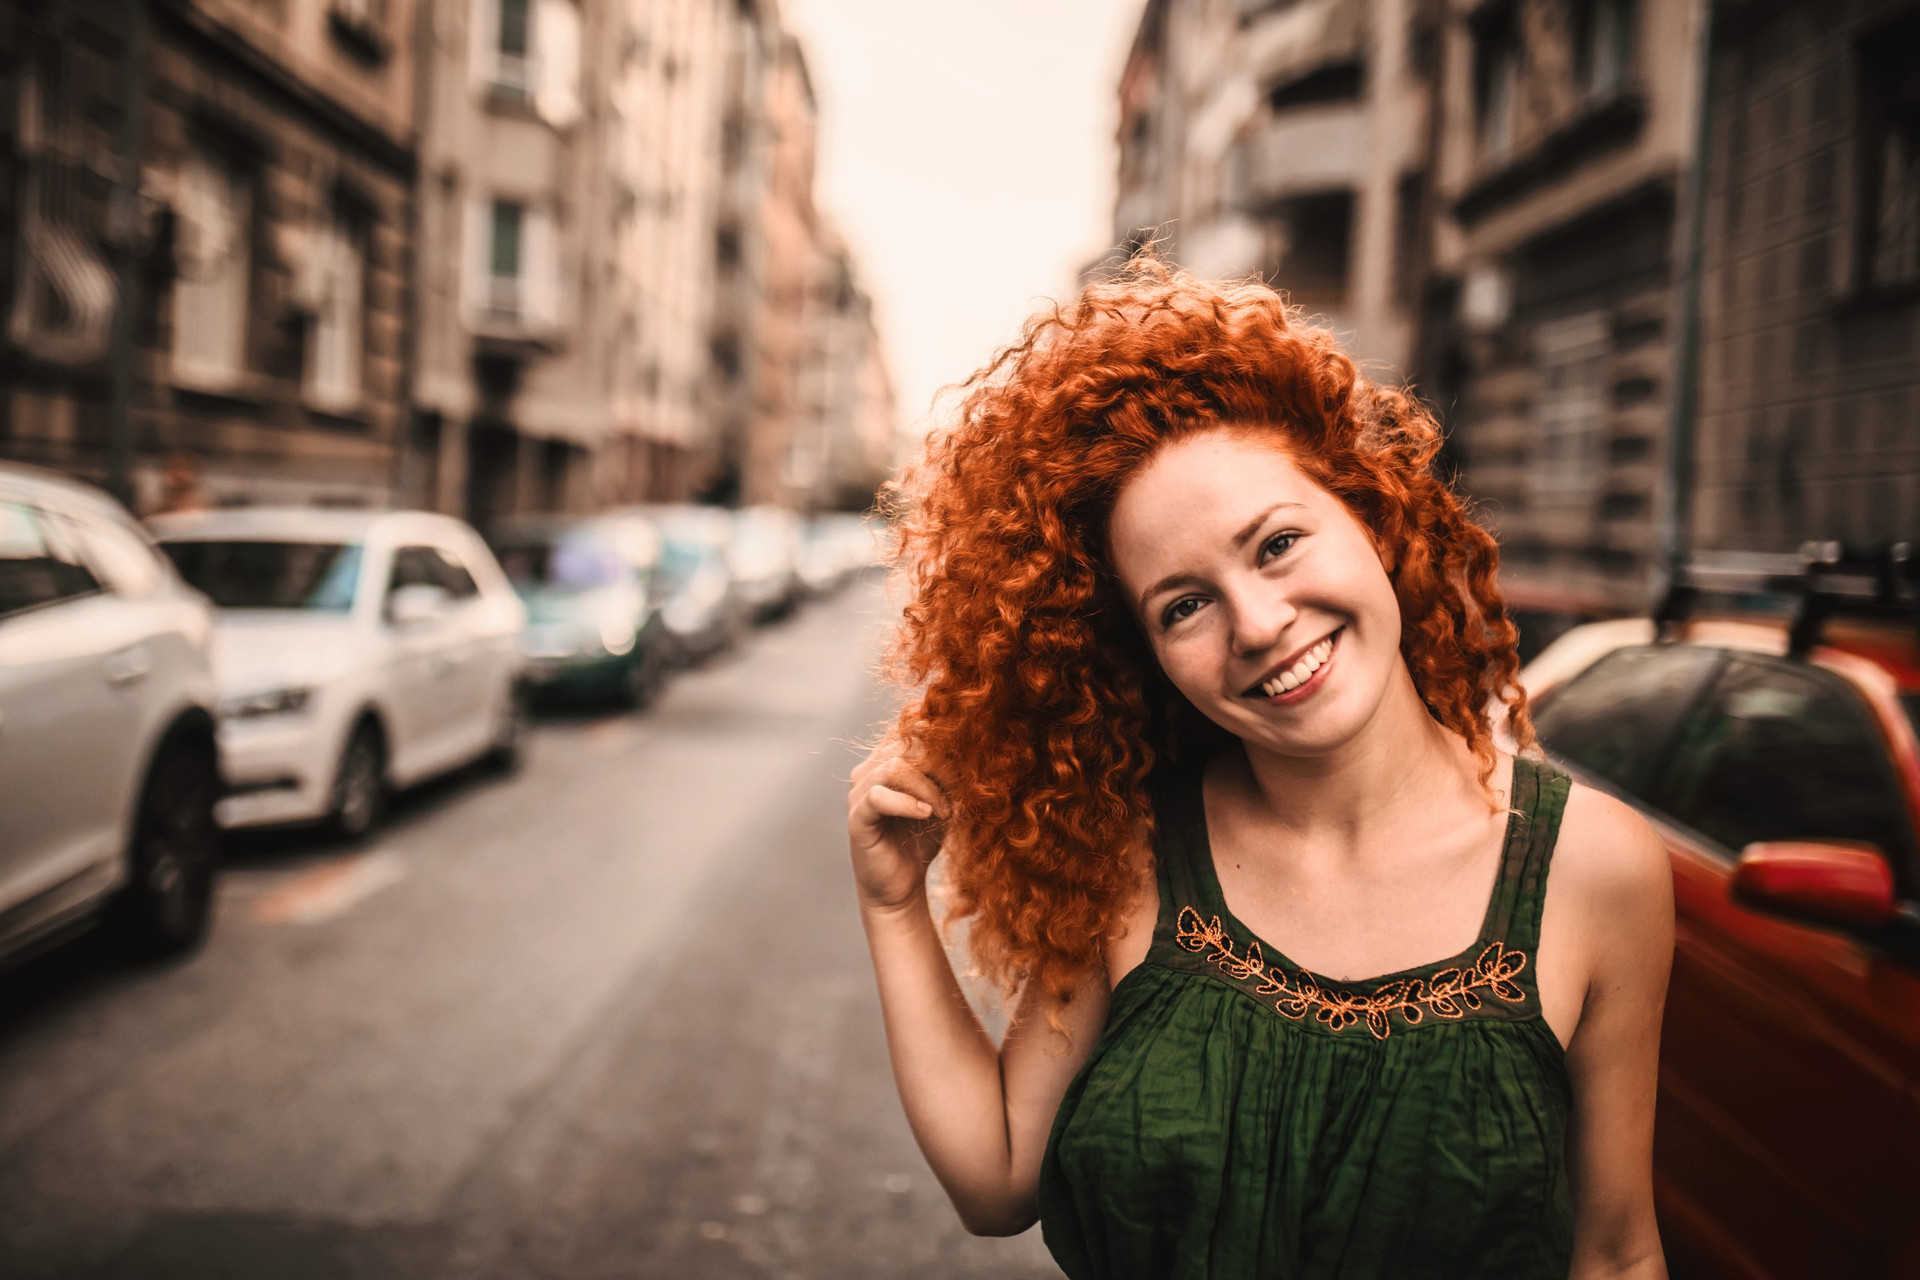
x=441 y=582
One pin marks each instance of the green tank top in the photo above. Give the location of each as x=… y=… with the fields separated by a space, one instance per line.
x=1242 y=1119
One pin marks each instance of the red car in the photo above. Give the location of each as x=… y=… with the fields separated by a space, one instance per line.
x=1779 y=761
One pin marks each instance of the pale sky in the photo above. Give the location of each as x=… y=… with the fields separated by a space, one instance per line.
x=967 y=151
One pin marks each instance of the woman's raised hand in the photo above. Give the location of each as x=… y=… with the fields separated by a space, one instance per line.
x=894 y=817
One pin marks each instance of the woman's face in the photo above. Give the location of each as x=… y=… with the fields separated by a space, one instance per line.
x=1265 y=600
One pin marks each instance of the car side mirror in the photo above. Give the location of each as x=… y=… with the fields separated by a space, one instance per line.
x=417 y=605
x=1819 y=881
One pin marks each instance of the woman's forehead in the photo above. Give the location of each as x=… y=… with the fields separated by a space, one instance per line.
x=1216 y=476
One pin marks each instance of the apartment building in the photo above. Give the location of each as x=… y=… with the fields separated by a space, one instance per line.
x=1809 y=350
x=1290 y=141
x=210 y=207
x=666 y=109
x=1567 y=129
x=510 y=389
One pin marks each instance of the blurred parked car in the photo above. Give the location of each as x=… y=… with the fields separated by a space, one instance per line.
x=1779 y=762
x=1543 y=615
x=764 y=556
x=701 y=612
x=835 y=546
x=108 y=762
x=592 y=588
x=355 y=652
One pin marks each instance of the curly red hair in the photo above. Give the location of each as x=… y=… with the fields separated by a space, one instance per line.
x=1034 y=698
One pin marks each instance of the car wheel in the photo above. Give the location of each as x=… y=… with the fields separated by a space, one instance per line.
x=168 y=901
x=360 y=784
x=642 y=678
x=510 y=729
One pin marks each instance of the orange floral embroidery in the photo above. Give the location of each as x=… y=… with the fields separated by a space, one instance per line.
x=1449 y=993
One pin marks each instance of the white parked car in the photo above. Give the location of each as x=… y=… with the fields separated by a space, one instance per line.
x=355 y=651
x=108 y=765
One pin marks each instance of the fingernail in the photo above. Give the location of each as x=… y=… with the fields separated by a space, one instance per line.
x=925 y=808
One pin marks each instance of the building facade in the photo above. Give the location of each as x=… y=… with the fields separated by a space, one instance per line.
x=1288 y=141
x=666 y=111
x=1567 y=133
x=211 y=208
x=1809 y=353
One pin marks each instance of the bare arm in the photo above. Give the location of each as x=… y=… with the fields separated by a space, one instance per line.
x=980 y=1113
x=1626 y=905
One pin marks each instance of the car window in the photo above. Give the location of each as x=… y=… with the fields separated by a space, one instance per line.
x=416 y=567
x=126 y=560
x=454 y=575
x=1616 y=718
x=566 y=560
x=321 y=576
x=40 y=562
x=1782 y=751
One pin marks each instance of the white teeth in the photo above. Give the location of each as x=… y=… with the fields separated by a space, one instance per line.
x=1298 y=674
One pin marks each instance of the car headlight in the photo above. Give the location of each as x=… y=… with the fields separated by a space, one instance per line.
x=617 y=634
x=272 y=702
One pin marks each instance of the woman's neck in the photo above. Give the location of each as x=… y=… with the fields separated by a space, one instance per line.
x=1403 y=759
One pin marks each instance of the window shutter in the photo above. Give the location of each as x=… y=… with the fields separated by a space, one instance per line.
x=476 y=231
x=557 y=39
x=540 y=280
x=483 y=40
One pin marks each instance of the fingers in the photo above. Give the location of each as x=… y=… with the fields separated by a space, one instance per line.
x=897 y=804
x=896 y=774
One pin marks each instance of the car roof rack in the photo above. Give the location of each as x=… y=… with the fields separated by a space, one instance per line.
x=1823 y=580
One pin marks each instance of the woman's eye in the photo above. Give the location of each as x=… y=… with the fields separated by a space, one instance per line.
x=1184 y=607
x=1278 y=545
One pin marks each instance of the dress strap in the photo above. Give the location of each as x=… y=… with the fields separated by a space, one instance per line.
x=1538 y=802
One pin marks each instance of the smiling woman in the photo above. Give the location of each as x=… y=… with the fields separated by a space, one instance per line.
x=1201 y=655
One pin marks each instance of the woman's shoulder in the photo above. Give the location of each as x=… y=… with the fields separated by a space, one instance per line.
x=1610 y=851
x=1610 y=884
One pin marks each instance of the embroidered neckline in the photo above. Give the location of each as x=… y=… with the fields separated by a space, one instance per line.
x=1449 y=993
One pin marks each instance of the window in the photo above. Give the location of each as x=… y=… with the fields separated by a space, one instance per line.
x=513 y=48
x=63 y=299
x=40 y=563
x=513 y=268
x=124 y=559
x=1614 y=719
x=1409 y=205
x=454 y=576
x=1889 y=229
x=431 y=567
x=1570 y=358
x=214 y=259
x=503 y=258
x=1496 y=75
x=528 y=52
x=1602 y=45
x=1310 y=247
x=1782 y=751
x=320 y=576
x=336 y=340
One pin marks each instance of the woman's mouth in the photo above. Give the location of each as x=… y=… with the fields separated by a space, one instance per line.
x=1298 y=681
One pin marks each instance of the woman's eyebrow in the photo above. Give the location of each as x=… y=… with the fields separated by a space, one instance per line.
x=1240 y=538
x=1171 y=580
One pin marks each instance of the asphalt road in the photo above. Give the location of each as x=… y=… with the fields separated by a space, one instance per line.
x=608 y=1016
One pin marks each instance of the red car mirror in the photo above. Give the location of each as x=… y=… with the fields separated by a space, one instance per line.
x=1843 y=884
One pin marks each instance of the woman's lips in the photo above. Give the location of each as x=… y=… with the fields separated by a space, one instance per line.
x=1305 y=689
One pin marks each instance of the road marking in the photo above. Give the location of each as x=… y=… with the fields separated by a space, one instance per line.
x=330 y=890
x=615 y=733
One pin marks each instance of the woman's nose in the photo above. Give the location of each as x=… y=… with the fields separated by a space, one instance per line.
x=1260 y=618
